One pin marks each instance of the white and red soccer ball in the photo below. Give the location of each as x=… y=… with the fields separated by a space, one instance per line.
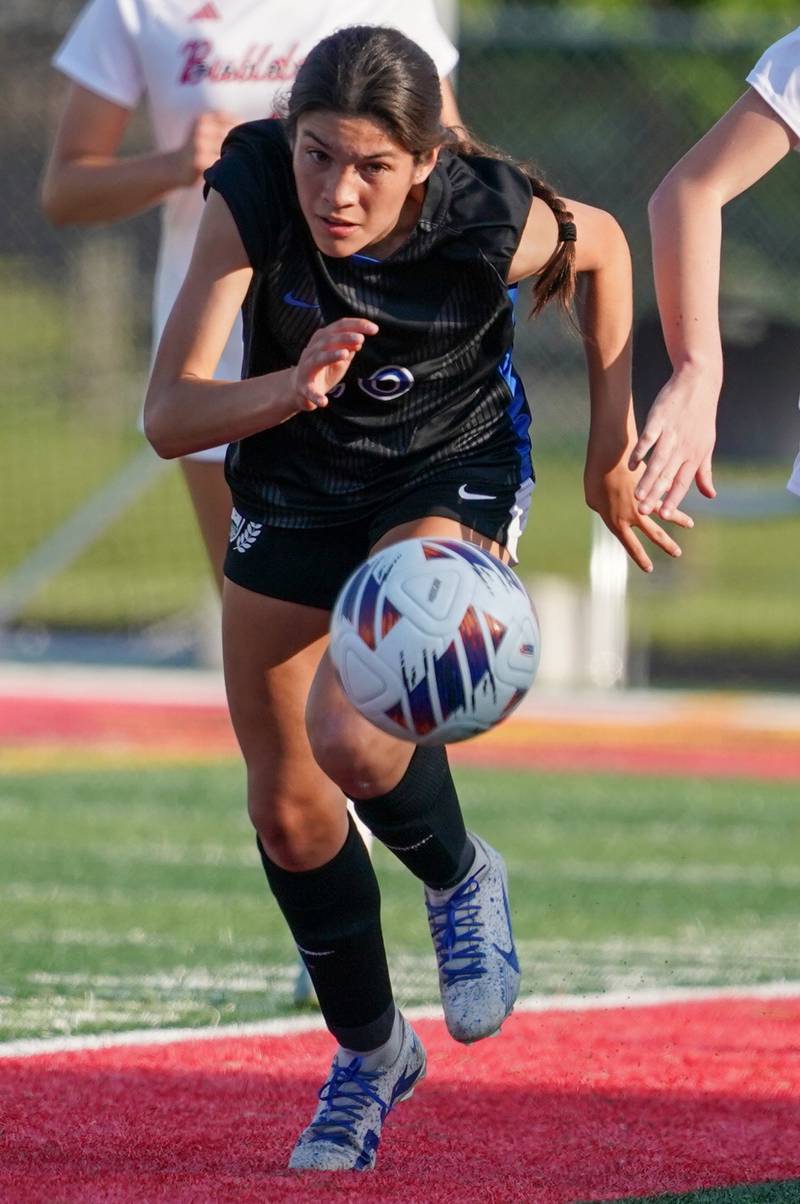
x=434 y=640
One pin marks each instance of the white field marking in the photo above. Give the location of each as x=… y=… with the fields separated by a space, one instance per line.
x=241 y=979
x=285 y=1027
x=56 y=892
x=160 y=852
x=101 y=939
x=685 y=873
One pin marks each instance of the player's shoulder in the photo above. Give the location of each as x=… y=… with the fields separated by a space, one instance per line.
x=782 y=56
x=485 y=191
x=266 y=137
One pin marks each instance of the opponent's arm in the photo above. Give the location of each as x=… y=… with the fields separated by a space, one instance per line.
x=85 y=181
x=186 y=410
x=450 y=114
x=686 y=228
x=605 y=309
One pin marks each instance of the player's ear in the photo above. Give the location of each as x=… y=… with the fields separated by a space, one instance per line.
x=425 y=165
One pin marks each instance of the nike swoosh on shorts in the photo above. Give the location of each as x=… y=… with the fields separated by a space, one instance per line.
x=466 y=496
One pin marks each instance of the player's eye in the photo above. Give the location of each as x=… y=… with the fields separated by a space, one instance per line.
x=316 y=155
x=374 y=169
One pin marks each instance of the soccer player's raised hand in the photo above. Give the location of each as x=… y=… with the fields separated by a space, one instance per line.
x=611 y=492
x=325 y=360
x=679 y=434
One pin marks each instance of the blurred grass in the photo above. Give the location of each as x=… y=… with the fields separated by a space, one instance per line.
x=135 y=898
x=734 y=588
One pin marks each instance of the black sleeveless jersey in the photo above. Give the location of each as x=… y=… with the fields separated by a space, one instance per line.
x=435 y=387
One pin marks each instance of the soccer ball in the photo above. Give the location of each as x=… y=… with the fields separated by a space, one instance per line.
x=434 y=640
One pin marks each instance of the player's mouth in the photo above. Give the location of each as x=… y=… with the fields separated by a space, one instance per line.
x=337 y=227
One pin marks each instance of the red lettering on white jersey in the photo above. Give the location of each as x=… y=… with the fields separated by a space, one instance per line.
x=206 y=13
x=257 y=64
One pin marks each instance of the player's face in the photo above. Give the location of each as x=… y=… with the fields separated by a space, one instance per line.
x=359 y=189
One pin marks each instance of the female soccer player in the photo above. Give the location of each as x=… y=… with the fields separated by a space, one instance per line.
x=374 y=256
x=202 y=67
x=686 y=225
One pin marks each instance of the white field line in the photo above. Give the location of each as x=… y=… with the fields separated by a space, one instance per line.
x=686 y=873
x=285 y=1027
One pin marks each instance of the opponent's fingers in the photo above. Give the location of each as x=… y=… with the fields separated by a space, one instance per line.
x=647 y=439
x=704 y=478
x=659 y=471
x=677 y=491
x=679 y=517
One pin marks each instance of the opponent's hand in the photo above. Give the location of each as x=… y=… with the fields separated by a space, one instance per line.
x=325 y=360
x=612 y=494
x=202 y=146
x=679 y=434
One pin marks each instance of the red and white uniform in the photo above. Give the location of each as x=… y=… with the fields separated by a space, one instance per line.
x=189 y=57
x=776 y=78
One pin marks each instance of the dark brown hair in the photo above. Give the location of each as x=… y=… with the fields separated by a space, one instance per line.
x=379 y=73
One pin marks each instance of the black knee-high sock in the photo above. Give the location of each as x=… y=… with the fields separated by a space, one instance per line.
x=333 y=913
x=420 y=821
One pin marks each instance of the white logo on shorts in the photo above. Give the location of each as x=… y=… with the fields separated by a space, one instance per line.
x=466 y=496
x=243 y=532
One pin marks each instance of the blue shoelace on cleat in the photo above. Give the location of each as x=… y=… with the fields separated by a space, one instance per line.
x=456 y=933
x=345 y=1094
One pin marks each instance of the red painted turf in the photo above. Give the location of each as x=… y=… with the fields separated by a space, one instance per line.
x=564 y=1106
x=175 y=730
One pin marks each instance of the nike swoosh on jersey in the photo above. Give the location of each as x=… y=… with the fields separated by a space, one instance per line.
x=298 y=303
x=466 y=496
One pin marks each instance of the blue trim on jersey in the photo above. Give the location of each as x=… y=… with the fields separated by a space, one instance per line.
x=366 y=258
x=518 y=411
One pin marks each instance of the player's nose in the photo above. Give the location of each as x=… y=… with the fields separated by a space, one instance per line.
x=340 y=190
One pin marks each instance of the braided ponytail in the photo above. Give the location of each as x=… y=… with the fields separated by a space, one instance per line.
x=557 y=279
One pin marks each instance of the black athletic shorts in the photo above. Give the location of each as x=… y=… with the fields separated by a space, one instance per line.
x=310 y=565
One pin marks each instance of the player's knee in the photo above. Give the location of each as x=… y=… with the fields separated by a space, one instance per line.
x=344 y=750
x=290 y=828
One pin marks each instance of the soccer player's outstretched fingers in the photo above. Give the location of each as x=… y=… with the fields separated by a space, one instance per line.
x=633 y=546
x=661 y=538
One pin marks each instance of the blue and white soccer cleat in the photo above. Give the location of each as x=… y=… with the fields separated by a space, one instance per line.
x=346 y=1129
x=479 y=972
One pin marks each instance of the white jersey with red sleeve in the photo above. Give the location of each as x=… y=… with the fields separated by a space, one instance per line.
x=776 y=78
x=188 y=57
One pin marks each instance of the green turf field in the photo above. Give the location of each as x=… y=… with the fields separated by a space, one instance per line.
x=749 y=1193
x=135 y=898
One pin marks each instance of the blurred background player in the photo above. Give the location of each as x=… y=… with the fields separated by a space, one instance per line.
x=686 y=226
x=378 y=403
x=201 y=66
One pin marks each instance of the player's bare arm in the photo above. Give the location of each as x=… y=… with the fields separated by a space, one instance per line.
x=606 y=312
x=85 y=180
x=686 y=228
x=186 y=410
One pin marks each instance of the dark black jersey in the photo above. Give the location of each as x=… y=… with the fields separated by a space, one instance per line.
x=434 y=387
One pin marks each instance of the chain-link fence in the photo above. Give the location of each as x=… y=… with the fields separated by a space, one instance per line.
x=98 y=538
